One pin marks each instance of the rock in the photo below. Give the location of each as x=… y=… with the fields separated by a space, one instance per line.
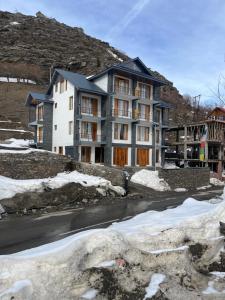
x=101 y=191
x=85 y=201
x=222 y=228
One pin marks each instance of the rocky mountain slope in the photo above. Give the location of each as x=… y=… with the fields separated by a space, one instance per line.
x=31 y=46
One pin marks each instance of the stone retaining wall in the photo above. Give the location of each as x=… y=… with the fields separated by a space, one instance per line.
x=189 y=178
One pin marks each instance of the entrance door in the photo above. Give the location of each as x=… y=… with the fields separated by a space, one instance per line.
x=99 y=155
x=120 y=156
x=142 y=157
x=94 y=131
x=86 y=154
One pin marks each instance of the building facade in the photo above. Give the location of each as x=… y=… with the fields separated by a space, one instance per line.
x=114 y=117
x=199 y=144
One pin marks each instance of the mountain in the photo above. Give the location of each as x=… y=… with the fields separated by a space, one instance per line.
x=32 y=46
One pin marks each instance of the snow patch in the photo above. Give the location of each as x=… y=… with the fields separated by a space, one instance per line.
x=216 y=182
x=150 y=179
x=22 y=287
x=114 y=55
x=90 y=294
x=16 y=80
x=170 y=166
x=153 y=287
x=14 y=23
x=179 y=190
x=10 y=187
x=16 y=143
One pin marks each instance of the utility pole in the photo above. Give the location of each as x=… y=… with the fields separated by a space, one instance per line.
x=196 y=104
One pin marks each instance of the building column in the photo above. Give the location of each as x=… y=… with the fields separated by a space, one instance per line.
x=185 y=147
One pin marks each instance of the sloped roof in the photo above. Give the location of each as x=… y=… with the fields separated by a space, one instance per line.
x=134 y=66
x=37 y=96
x=78 y=80
x=222 y=109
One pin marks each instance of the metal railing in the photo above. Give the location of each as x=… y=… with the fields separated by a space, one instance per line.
x=137 y=115
x=87 y=137
x=121 y=113
x=123 y=90
x=89 y=111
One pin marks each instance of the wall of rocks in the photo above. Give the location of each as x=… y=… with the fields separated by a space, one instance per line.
x=189 y=178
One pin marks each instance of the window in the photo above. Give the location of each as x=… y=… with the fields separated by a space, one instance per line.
x=120 y=131
x=144 y=112
x=89 y=106
x=55 y=149
x=71 y=103
x=157 y=156
x=55 y=127
x=144 y=90
x=121 y=108
x=65 y=85
x=61 y=86
x=55 y=105
x=143 y=134
x=121 y=86
x=40 y=110
x=61 y=150
x=70 y=127
x=56 y=87
x=40 y=135
x=157 y=137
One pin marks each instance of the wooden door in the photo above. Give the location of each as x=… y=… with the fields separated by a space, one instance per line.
x=95 y=107
x=120 y=156
x=94 y=131
x=142 y=157
x=86 y=154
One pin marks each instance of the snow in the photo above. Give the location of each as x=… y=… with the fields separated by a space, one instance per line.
x=20 y=286
x=216 y=182
x=14 y=130
x=16 y=80
x=16 y=143
x=170 y=166
x=9 y=187
x=114 y=55
x=106 y=264
x=14 y=23
x=205 y=187
x=153 y=287
x=150 y=179
x=61 y=265
x=179 y=190
x=90 y=294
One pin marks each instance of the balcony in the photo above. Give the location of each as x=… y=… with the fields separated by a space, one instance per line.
x=140 y=116
x=124 y=92
x=89 y=111
x=91 y=138
x=121 y=113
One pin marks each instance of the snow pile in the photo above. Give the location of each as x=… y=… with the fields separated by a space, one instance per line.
x=9 y=187
x=150 y=179
x=170 y=166
x=150 y=241
x=216 y=182
x=16 y=143
x=153 y=287
x=14 y=23
x=179 y=190
x=16 y=80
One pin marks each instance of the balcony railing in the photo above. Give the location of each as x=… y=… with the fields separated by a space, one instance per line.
x=142 y=139
x=142 y=94
x=121 y=113
x=123 y=90
x=89 y=111
x=87 y=137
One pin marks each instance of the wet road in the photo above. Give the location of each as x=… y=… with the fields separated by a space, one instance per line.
x=20 y=233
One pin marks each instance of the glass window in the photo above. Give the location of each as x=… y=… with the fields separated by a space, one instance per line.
x=120 y=131
x=70 y=127
x=71 y=103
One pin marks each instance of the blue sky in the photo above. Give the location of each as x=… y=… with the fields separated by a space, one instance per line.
x=182 y=39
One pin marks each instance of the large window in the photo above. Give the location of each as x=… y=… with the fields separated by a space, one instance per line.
x=71 y=103
x=120 y=131
x=89 y=106
x=144 y=90
x=40 y=111
x=121 y=108
x=157 y=138
x=121 y=86
x=89 y=131
x=144 y=111
x=158 y=116
x=143 y=134
x=40 y=135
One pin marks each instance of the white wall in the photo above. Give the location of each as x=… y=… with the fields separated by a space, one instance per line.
x=61 y=117
x=102 y=82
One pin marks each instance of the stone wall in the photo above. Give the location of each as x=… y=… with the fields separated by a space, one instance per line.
x=189 y=178
x=32 y=165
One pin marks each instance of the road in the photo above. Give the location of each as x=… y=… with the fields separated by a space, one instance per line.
x=20 y=233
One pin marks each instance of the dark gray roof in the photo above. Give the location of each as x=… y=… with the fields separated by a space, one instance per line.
x=80 y=81
x=37 y=96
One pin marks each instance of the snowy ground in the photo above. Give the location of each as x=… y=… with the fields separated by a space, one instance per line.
x=172 y=254
x=16 y=143
x=9 y=187
x=150 y=179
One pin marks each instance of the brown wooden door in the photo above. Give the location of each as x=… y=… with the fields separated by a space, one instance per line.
x=142 y=157
x=120 y=156
x=95 y=107
x=94 y=131
x=86 y=154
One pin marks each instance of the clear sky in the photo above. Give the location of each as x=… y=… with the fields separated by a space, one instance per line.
x=182 y=39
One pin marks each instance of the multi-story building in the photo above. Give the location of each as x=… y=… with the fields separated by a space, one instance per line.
x=114 y=117
x=200 y=144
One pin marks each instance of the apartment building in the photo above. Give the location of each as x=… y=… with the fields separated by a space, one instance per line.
x=114 y=117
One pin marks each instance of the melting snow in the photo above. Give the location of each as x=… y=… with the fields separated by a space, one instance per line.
x=150 y=179
x=114 y=55
x=153 y=287
x=90 y=294
x=179 y=190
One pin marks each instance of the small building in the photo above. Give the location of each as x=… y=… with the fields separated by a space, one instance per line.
x=199 y=144
x=114 y=117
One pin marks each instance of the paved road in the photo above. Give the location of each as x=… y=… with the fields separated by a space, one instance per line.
x=20 y=233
